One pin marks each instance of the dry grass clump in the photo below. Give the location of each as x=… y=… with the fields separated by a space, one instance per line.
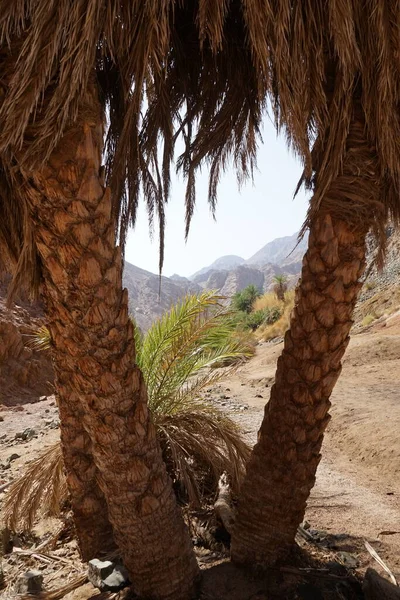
x=367 y=320
x=267 y=300
x=278 y=328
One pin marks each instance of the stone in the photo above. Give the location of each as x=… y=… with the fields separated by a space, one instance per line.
x=1 y=418
x=106 y=575
x=29 y=583
x=42 y=398
x=26 y=435
x=348 y=560
x=12 y=457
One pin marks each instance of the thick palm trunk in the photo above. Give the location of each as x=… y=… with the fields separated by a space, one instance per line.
x=89 y=507
x=98 y=381
x=282 y=468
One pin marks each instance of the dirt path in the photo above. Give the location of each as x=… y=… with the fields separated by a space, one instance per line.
x=357 y=494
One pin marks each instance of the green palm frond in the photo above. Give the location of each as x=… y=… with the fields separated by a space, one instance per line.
x=178 y=356
x=193 y=336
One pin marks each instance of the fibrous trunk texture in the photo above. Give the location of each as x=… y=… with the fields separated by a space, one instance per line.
x=282 y=468
x=102 y=395
x=89 y=507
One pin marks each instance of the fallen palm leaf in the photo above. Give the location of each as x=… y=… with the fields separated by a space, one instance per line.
x=60 y=592
x=41 y=490
x=380 y=562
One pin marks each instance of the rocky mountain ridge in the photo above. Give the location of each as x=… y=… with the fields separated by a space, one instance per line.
x=281 y=256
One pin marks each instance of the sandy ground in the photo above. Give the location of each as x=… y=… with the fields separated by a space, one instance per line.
x=357 y=494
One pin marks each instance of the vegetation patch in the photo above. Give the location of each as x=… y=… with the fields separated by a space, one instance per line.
x=178 y=357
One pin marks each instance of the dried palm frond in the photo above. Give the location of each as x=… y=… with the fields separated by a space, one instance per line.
x=41 y=490
x=198 y=446
x=202 y=72
x=59 y=593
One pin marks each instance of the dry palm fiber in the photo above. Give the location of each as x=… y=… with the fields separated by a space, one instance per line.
x=202 y=71
x=45 y=486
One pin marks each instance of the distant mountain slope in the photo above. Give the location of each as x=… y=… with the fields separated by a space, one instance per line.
x=230 y=274
x=224 y=263
x=144 y=300
x=284 y=250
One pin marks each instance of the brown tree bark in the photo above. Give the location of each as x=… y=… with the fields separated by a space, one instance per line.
x=89 y=507
x=282 y=468
x=100 y=387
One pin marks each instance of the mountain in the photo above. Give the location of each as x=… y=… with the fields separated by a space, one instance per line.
x=224 y=263
x=230 y=274
x=281 y=251
x=145 y=301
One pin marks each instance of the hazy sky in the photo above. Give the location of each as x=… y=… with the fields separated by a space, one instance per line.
x=246 y=219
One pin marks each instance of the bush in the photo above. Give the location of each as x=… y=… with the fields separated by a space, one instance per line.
x=367 y=320
x=264 y=316
x=278 y=327
x=243 y=301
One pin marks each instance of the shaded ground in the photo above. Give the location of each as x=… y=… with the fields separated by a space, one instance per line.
x=356 y=498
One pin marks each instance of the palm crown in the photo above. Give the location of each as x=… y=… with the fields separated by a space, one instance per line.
x=203 y=71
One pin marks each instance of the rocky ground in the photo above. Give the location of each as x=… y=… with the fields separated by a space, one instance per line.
x=356 y=498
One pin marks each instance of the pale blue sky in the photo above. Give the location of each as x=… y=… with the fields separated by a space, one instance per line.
x=246 y=219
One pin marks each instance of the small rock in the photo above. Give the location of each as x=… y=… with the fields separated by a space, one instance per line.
x=107 y=576
x=26 y=435
x=118 y=579
x=42 y=398
x=12 y=457
x=47 y=410
x=29 y=583
x=347 y=559
x=1 y=418
x=258 y=396
x=227 y=389
x=52 y=404
x=3 y=437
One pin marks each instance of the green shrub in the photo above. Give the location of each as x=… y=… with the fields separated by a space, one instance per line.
x=243 y=301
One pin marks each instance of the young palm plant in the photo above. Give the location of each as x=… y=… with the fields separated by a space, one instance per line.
x=280 y=287
x=177 y=356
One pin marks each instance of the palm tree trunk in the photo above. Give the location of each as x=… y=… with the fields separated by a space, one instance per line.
x=93 y=349
x=282 y=469
x=89 y=507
